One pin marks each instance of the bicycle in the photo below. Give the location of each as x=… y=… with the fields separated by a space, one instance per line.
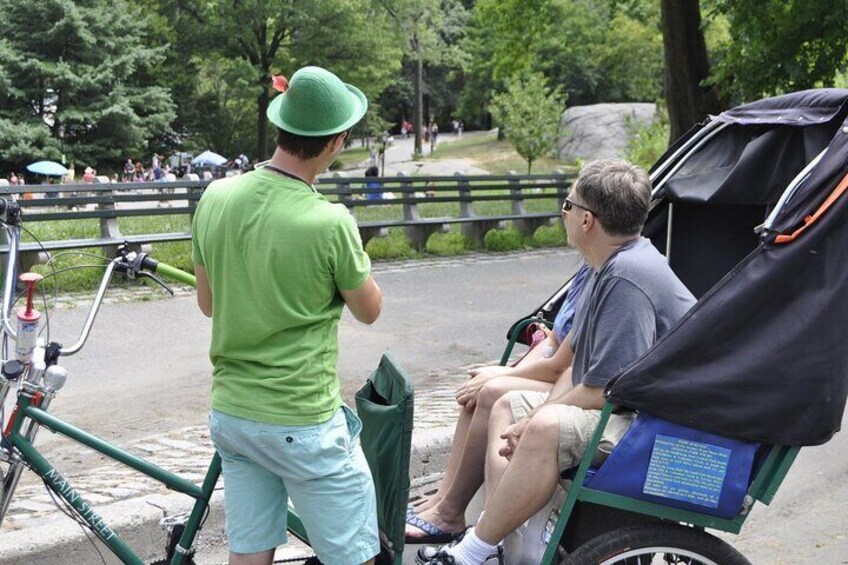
x=38 y=381
x=385 y=404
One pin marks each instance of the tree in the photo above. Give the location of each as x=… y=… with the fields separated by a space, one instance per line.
x=772 y=47
x=595 y=50
x=777 y=46
x=73 y=80
x=688 y=98
x=530 y=113
x=430 y=31
x=278 y=36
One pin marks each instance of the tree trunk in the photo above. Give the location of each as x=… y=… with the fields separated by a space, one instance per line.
x=419 y=100
x=686 y=67
x=262 y=124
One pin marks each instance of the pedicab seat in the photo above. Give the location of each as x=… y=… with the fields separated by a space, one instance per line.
x=673 y=465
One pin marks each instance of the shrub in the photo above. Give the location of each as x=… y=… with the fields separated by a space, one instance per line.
x=451 y=243
x=393 y=246
x=503 y=240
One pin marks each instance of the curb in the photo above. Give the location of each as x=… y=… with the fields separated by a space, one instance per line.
x=58 y=540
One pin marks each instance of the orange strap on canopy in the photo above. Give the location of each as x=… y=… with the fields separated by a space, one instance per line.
x=810 y=220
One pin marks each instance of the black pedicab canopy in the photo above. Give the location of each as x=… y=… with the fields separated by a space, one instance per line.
x=761 y=356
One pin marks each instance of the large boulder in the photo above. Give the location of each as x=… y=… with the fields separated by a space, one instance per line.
x=601 y=131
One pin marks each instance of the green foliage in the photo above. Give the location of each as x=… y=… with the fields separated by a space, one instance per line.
x=280 y=36
x=530 y=113
x=594 y=50
x=630 y=60
x=451 y=243
x=75 y=78
x=223 y=89
x=778 y=46
x=551 y=236
x=503 y=240
x=393 y=246
x=648 y=143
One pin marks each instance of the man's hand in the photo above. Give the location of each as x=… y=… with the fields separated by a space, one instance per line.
x=512 y=434
x=466 y=393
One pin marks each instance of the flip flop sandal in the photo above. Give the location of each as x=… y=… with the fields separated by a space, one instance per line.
x=434 y=533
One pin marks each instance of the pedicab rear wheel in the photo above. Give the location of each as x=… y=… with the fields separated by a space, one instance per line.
x=656 y=544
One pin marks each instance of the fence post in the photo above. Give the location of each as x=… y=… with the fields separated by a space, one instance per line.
x=526 y=226
x=463 y=187
x=419 y=233
x=561 y=193
x=477 y=229
x=109 y=228
x=518 y=208
x=345 y=194
x=193 y=193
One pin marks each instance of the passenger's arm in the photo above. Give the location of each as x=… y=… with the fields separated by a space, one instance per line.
x=204 y=291
x=582 y=396
x=548 y=369
x=366 y=302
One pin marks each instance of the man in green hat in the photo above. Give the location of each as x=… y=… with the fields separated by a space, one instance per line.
x=276 y=263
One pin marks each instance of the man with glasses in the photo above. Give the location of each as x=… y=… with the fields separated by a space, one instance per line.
x=276 y=263
x=630 y=300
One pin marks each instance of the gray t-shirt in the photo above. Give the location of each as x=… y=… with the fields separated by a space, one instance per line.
x=625 y=307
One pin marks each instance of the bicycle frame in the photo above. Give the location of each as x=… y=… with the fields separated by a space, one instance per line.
x=28 y=408
x=31 y=414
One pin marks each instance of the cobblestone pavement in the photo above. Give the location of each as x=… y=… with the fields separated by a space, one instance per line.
x=187 y=453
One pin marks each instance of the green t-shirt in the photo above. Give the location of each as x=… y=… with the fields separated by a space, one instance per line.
x=276 y=254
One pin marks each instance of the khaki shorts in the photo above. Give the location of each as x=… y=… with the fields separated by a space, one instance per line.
x=576 y=427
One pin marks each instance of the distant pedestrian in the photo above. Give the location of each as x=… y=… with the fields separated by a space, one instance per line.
x=138 y=175
x=89 y=175
x=71 y=176
x=434 y=135
x=373 y=188
x=129 y=170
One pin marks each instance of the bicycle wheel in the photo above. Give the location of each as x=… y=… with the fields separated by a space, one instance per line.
x=656 y=544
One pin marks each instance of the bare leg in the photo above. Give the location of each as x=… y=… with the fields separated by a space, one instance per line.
x=459 y=437
x=516 y=499
x=463 y=424
x=260 y=558
x=448 y=514
x=500 y=419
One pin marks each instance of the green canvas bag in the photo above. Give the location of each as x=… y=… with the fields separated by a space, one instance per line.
x=385 y=406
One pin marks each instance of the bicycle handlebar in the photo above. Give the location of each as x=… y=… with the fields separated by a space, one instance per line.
x=131 y=263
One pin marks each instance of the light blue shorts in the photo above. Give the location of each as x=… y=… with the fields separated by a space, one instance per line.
x=322 y=469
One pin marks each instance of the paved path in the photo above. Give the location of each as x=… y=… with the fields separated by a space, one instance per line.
x=399 y=159
x=439 y=317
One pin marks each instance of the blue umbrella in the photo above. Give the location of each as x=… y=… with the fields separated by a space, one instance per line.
x=209 y=158
x=49 y=168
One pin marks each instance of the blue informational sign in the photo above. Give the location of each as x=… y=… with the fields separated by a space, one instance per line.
x=686 y=470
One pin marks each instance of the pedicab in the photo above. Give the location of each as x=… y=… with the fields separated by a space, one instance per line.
x=750 y=209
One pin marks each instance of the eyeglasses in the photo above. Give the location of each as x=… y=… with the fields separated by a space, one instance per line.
x=569 y=204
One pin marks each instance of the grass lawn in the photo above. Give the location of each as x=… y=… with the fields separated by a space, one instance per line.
x=351 y=158
x=497 y=157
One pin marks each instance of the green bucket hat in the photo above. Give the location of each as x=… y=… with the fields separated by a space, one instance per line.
x=316 y=103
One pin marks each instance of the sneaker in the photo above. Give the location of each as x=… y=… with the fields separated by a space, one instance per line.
x=429 y=552
x=438 y=555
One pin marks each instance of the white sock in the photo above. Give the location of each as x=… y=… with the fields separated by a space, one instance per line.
x=472 y=550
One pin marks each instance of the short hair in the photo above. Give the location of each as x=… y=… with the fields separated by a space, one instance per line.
x=303 y=146
x=618 y=194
